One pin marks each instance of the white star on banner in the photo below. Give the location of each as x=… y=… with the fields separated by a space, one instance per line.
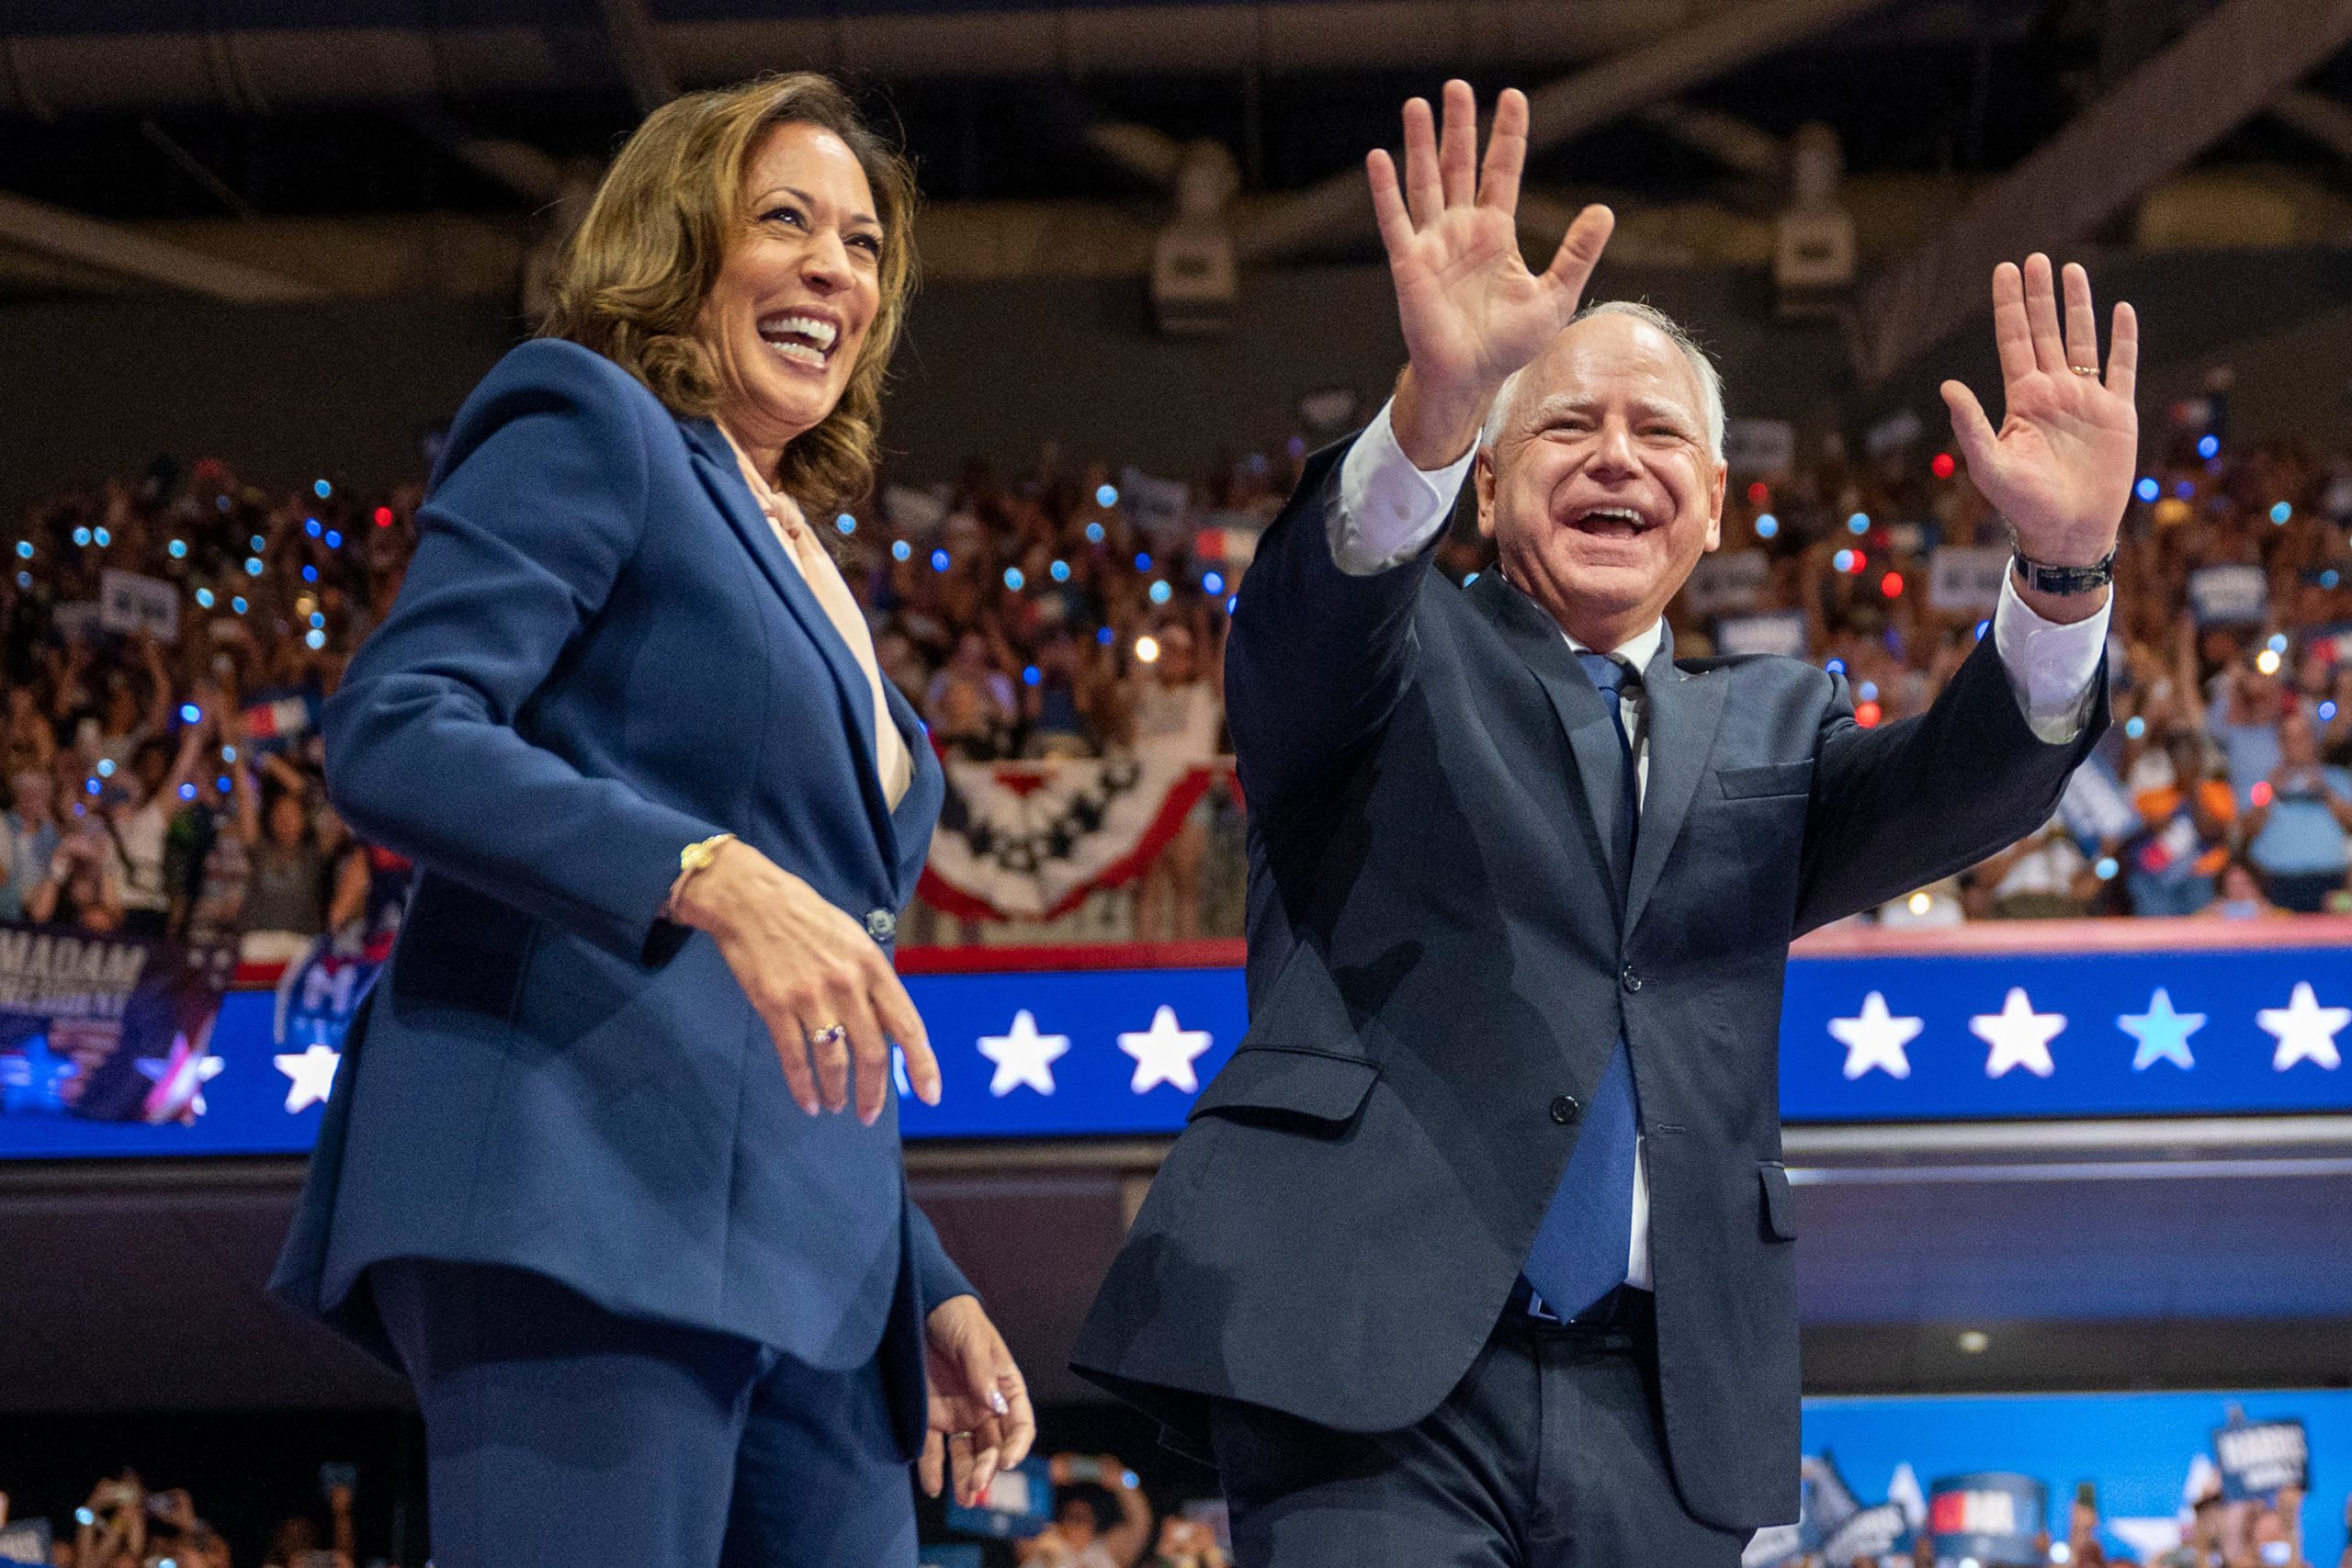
x=1164 y=1054
x=1874 y=1038
x=313 y=1074
x=1023 y=1056
x=2020 y=1036
x=2306 y=1032
x=2163 y=1033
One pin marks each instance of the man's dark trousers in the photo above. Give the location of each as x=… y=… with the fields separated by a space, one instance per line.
x=1546 y=1456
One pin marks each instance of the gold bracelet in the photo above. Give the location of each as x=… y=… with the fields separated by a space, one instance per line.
x=694 y=857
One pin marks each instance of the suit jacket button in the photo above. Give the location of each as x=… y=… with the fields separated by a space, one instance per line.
x=1564 y=1109
x=1627 y=978
x=881 y=925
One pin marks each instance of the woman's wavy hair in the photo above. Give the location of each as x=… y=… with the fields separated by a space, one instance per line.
x=635 y=276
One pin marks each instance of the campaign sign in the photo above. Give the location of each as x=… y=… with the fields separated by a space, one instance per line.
x=1872 y=1532
x=2260 y=1459
x=1760 y=446
x=102 y=1028
x=1992 y=1517
x=2229 y=595
x=1017 y=1505
x=1783 y=633
x=1966 y=577
x=1730 y=580
x=26 y=1542
x=129 y=603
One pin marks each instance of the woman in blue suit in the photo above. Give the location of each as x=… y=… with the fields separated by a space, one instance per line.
x=589 y=1174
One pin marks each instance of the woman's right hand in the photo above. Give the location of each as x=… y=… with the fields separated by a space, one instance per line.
x=807 y=965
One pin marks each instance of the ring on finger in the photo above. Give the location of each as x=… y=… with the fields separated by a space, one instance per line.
x=832 y=1034
x=2084 y=370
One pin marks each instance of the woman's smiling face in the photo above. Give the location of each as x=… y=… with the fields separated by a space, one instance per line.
x=799 y=289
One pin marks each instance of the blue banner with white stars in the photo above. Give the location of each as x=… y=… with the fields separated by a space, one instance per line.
x=1911 y=1035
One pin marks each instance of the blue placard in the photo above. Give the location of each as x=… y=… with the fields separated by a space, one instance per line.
x=1115 y=1053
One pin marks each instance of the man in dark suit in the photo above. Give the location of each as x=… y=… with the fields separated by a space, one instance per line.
x=1479 y=1251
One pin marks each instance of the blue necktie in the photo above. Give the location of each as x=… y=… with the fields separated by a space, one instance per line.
x=1579 y=1253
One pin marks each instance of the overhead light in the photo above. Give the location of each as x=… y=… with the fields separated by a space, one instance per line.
x=1974 y=1341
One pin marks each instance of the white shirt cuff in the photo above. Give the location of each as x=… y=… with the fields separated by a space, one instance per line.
x=2052 y=667
x=1389 y=509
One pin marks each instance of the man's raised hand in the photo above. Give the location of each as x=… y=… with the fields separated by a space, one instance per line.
x=1470 y=311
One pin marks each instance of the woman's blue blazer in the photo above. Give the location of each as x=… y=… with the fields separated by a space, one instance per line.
x=600 y=655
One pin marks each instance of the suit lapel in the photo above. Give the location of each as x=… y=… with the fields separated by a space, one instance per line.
x=1583 y=714
x=1682 y=715
x=715 y=466
x=919 y=808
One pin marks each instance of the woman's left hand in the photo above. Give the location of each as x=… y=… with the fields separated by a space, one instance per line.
x=980 y=1417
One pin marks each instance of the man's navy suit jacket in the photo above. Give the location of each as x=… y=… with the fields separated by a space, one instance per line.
x=1440 y=966
x=601 y=654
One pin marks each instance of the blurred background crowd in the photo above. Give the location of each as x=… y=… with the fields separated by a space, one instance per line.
x=162 y=753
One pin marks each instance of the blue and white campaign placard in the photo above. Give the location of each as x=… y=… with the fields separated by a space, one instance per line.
x=1865 y=1036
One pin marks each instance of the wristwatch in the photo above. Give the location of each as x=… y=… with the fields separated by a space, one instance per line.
x=2044 y=578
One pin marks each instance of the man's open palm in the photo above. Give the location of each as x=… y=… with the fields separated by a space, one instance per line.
x=1472 y=312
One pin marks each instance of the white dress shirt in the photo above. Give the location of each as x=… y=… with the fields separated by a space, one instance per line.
x=1389 y=509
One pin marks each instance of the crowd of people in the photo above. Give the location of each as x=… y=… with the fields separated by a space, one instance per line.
x=162 y=756
x=124 y=1525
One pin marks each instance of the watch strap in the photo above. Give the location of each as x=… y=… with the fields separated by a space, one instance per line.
x=2044 y=578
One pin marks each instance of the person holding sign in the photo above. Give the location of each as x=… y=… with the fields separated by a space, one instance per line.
x=612 y=1162
x=1478 y=1252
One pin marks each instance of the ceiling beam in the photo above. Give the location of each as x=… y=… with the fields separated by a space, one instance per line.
x=1340 y=208
x=636 y=48
x=2229 y=66
x=2322 y=119
x=64 y=235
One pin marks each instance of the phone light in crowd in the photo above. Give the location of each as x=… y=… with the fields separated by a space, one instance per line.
x=322 y=490
x=238 y=603
x=177 y=548
x=2330 y=578
x=1233 y=601
x=227 y=753
x=1919 y=903
x=187 y=791
x=2260 y=794
x=1860 y=523
x=220 y=503
x=2135 y=727
x=383 y=517
x=1031 y=675
x=1766 y=525
x=1942 y=466
x=315 y=637
x=318 y=617
x=91 y=785
x=2279 y=512
x=1159 y=592
x=900 y=549
x=23 y=580
x=335 y=539
x=845 y=524
x=2106 y=868
x=2147 y=488
x=1148 y=648
x=83 y=1517
x=309 y=574
x=1104 y=636
x=1843 y=561
x=1890 y=586
x=105 y=767
x=1835 y=666
x=2327 y=710
x=1974 y=1341
x=2183 y=488
x=1106 y=495
x=1143 y=561
x=224 y=784
x=102 y=537
x=1094 y=532
x=82 y=536
x=2277 y=643
x=311 y=527
x=252 y=565
x=1212 y=582
x=1982 y=627
x=1868 y=691
x=2208 y=445
x=258 y=543
x=1013 y=578
x=2267 y=661
x=1058 y=572
x=191 y=714
x=204 y=598
x=23 y=550
x=1867 y=715
x=1760 y=494
x=939 y=560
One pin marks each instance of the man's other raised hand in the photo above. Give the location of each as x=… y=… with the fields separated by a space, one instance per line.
x=1472 y=312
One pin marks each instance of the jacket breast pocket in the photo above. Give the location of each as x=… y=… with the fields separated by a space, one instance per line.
x=1780 y=1208
x=1771 y=779
x=1308 y=1091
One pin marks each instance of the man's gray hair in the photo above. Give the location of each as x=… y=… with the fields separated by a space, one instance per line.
x=1711 y=383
